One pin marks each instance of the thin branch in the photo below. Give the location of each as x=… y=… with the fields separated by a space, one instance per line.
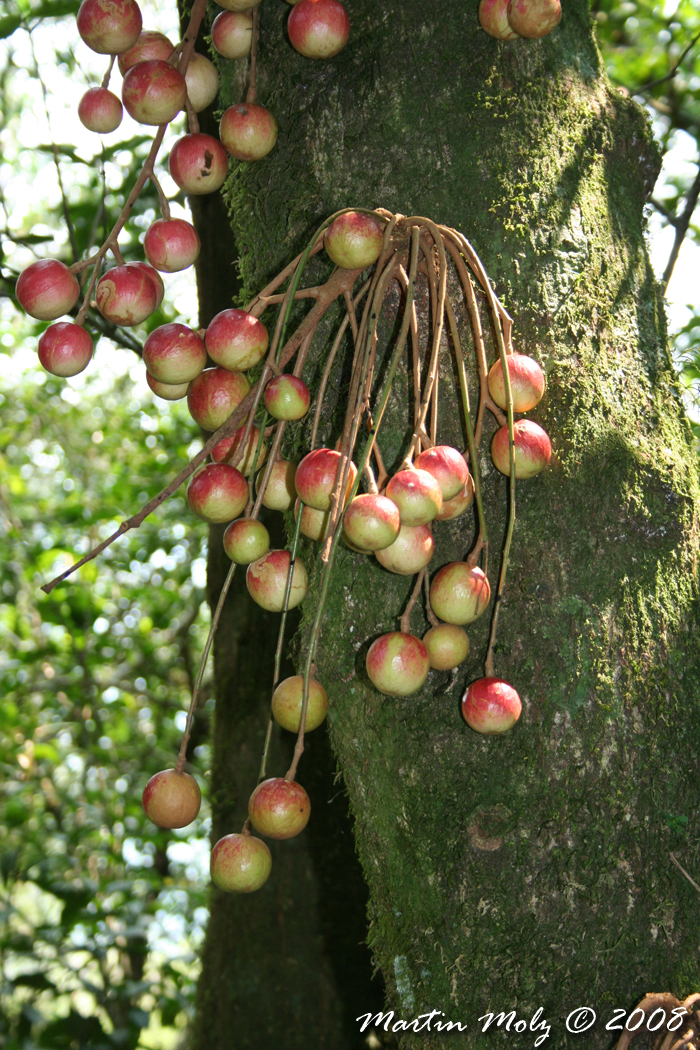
x=669 y=76
x=681 y=224
x=406 y=618
x=682 y=869
x=252 y=85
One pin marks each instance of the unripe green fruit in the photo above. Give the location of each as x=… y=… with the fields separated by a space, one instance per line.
x=287 y=702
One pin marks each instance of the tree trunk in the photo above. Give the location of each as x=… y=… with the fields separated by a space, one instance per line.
x=530 y=870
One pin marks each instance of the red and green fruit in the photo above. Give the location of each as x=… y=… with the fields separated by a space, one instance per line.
x=452 y=508
x=287 y=701
x=316 y=477
x=493 y=18
x=217 y=493
x=202 y=81
x=240 y=864
x=198 y=163
x=532 y=449
x=171 y=244
x=174 y=354
x=527 y=382
x=353 y=240
x=214 y=395
x=447 y=466
x=248 y=131
x=459 y=594
x=236 y=340
x=534 y=18
x=266 y=580
x=47 y=290
x=490 y=706
x=226 y=450
x=100 y=110
x=287 y=397
x=314 y=523
x=318 y=28
x=232 y=34
x=397 y=664
x=171 y=799
x=125 y=295
x=281 y=490
x=279 y=808
x=152 y=275
x=417 y=495
x=246 y=540
x=372 y=522
x=149 y=45
x=65 y=349
x=167 y=391
x=153 y=92
x=447 y=645
x=109 y=26
x=410 y=552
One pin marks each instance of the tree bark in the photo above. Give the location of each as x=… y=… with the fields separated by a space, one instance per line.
x=530 y=870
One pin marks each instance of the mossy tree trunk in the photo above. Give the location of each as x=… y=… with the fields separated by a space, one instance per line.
x=531 y=870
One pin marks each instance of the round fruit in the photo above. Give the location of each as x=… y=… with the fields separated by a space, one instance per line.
x=459 y=594
x=226 y=449
x=174 y=354
x=527 y=382
x=491 y=705
x=202 y=82
x=447 y=466
x=318 y=28
x=246 y=540
x=248 y=131
x=354 y=240
x=266 y=580
x=447 y=645
x=236 y=340
x=153 y=276
x=493 y=17
x=172 y=799
x=125 y=295
x=314 y=523
x=109 y=26
x=198 y=163
x=410 y=552
x=279 y=808
x=240 y=863
x=149 y=45
x=171 y=244
x=316 y=477
x=153 y=92
x=47 y=289
x=372 y=522
x=417 y=495
x=65 y=349
x=397 y=664
x=232 y=34
x=167 y=391
x=534 y=18
x=287 y=397
x=99 y=110
x=217 y=493
x=214 y=395
x=287 y=701
x=281 y=491
x=452 y=508
x=532 y=449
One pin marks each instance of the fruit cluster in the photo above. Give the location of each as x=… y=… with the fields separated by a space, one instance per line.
x=510 y=19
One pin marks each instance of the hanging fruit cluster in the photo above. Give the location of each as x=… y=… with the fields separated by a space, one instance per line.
x=394 y=518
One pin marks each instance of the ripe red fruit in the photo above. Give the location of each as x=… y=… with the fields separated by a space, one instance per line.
x=236 y=340
x=153 y=92
x=65 y=349
x=316 y=477
x=149 y=45
x=447 y=645
x=354 y=240
x=527 y=382
x=232 y=34
x=287 y=397
x=318 y=28
x=125 y=295
x=153 y=276
x=171 y=244
x=47 y=289
x=171 y=799
x=198 y=163
x=214 y=395
x=266 y=580
x=493 y=18
x=248 y=131
x=491 y=705
x=246 y=540
x=202 y=82
x=217 y=493
x=410 y=552
x=240 y=863
x=226 y=449
x=371 y=522
x=174 y=354
x=99 y=110
x=287 y=701
x=279 y=808
x=534 y=18
x=397 y=664
x=109 y=26
x=459 y=594
x=532 y=449
x=447 y=466
x=417 y=495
